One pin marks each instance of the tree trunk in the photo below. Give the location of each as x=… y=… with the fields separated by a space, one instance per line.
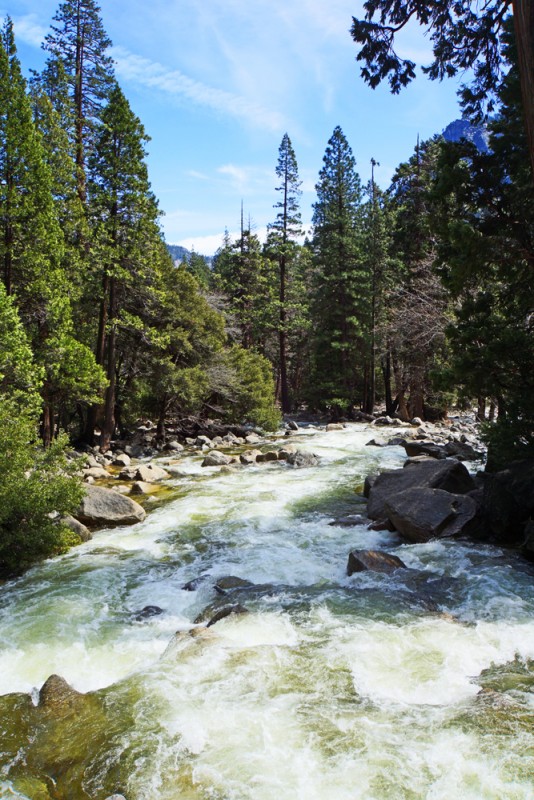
x=481 y=411
x=47 y=427
x=284 y=391
x=109 y=403
x=524 y=37
x=386 y=372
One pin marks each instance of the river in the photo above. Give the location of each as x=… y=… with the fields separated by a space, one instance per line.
x=412 y=686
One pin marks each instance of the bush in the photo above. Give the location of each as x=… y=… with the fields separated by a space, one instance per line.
x=37 y=487
x=243 y=382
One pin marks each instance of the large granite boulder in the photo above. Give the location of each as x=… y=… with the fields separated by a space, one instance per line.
x=374 y=560
x=448 y=475
x=420 y=514
x=424 y=449
x=103 y=507
x=508 y=502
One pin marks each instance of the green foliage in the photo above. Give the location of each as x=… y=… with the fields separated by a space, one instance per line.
x=341 y=282
x=461 y=39
x=244 y=382
x=486 y=227
x=36 y=483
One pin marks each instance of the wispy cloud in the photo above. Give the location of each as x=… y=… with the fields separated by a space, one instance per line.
x=27 y=29
x=247 y=179
x=131 y=67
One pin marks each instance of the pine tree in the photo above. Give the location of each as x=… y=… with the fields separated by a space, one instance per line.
x=243 y=274
x=340 y=305
x=378 y=224
x=32 y=246
x=79 y=42
x=125 y=221
x=281 y=245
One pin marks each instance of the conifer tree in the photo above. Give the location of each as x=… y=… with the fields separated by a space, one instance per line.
x=284 y=232
x=79 y=42
x=124 y=217
x=32 y=246
x=340 y=316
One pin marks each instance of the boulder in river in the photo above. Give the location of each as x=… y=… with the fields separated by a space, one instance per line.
x=103 y=507
x=229 y=582
x=374 y=560
x=424 y=449
x=508 y=502
x=216 y=459
x=78 y=528
x=302 y=458
x=150 y=473
x=147 y=612
x=56 y=694
x=270 y=455
x=448 y=475
x=420 y=514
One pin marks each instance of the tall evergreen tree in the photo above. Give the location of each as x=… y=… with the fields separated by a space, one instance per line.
x=32 y=246
x=340 y=306
x=378 y=223
x=79 y=42
x=284 y=232
x=124 y=216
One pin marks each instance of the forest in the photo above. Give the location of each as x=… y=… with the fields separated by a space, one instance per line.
x=416 y=299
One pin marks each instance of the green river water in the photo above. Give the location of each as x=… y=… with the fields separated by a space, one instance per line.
x=416 y=686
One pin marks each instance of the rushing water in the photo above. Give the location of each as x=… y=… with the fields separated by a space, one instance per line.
x=374 y=687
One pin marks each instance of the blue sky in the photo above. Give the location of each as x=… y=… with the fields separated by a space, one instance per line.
x=217 y=83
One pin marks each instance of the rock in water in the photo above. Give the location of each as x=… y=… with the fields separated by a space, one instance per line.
x=102 y=507
x=216 y=459
x=450 y=476
x=56 y=694
x=375 y=560
x=300 y=458
x=420 y=514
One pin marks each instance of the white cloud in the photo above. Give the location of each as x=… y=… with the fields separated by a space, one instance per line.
x=205 y=245
x=27 y=29
x=154 y=75
x=248 y=179
x=199 y=176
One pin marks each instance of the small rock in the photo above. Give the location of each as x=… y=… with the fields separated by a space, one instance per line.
x=302 y=458
x=97 y=473
x=216 y=459
x=149 y=473
x=226 y=611
x=147 y=612
x=373 y=560
x=174 y=445
x=252 y=438
x=349 y=521
x=292 y=425
x=56 y=694
x=335 y=426
x=123 y=460
x=142 y=487
x=270 y=455
x=249 y=456
x=78 y=527
x=376 y=443
x=200 y=440
x=229 y=582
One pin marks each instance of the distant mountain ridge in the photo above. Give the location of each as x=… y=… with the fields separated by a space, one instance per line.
x=462 y=129
x=178 y=253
